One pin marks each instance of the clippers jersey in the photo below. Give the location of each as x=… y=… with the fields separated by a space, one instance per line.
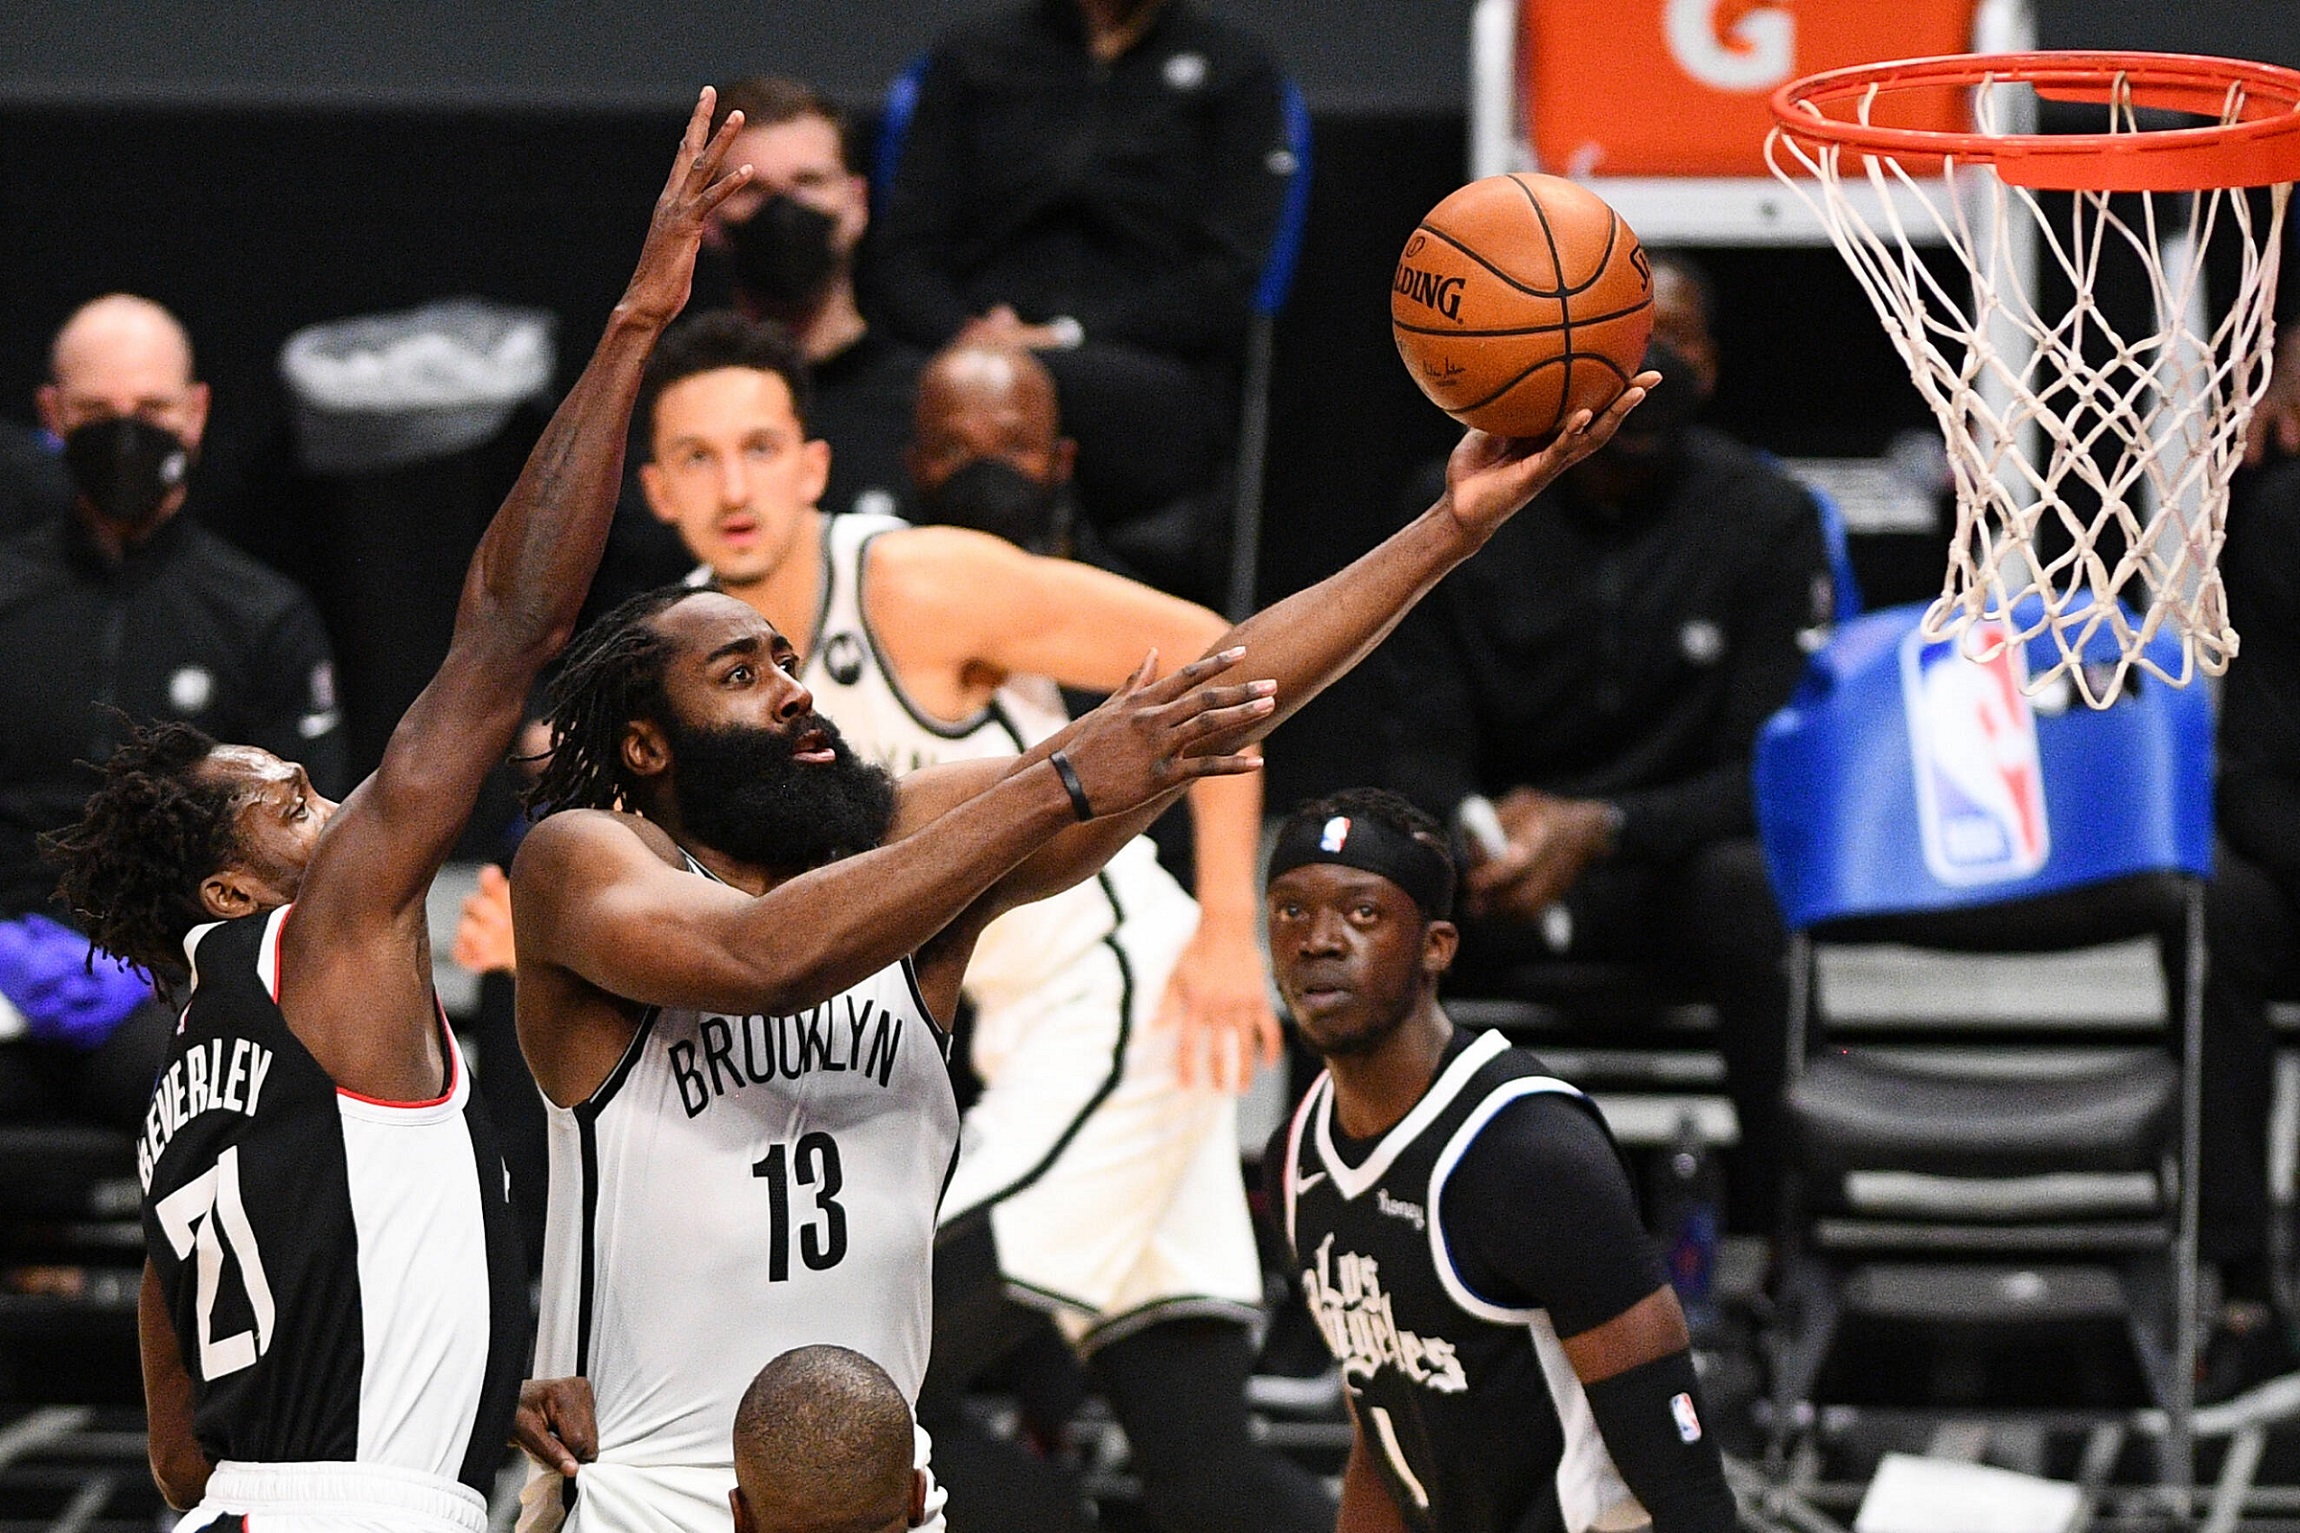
x=342 y=1275
x=737 y=1187
x=1034 y=946
x=1471 y=1411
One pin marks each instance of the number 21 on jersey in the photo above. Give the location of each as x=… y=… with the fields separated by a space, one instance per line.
x=201 y=1218
x=822 y=1240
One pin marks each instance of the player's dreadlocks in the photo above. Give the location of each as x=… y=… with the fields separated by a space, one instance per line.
x=155 y=828
x=610 y=675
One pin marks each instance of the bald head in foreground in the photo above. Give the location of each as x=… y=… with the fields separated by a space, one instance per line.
x=823 y=1444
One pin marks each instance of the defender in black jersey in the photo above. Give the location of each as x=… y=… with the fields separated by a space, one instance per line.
x=1464 y=1225
x=333 y=1311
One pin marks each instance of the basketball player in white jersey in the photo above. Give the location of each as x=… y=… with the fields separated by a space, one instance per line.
x=1095 y=1183
x=734 y=942
x=332 y=1316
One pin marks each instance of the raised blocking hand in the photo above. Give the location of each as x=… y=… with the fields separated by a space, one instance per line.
x=698 y=183
x=1153 y=736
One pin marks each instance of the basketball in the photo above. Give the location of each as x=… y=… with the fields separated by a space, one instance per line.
x=1519 y=300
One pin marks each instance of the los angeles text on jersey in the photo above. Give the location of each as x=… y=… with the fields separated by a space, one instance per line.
x=1347 y=1300
x=223 y=1074
x=841 y=1035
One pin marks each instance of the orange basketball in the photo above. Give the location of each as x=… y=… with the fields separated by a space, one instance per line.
x=1520 y=300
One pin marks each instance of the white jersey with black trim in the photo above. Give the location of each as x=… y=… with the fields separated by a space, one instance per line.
x=737 y=1187
x=855 y=688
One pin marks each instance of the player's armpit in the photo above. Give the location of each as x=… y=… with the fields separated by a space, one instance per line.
x=179 y=1467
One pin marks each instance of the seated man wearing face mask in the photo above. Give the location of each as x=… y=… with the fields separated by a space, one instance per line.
x=1599 y=675
x=124 y=611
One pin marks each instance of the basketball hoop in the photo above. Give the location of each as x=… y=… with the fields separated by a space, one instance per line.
x=2048 y=412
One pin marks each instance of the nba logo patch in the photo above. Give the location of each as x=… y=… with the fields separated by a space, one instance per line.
x=1336 y=835
x=1688 y=1420
x=1980 y=782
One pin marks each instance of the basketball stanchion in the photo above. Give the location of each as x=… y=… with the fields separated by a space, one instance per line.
x=2091 y=465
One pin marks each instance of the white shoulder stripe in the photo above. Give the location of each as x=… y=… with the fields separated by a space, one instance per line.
x=268 y=953
x=1292 y=1171
x=1449 y=1157
x=1354 y=1180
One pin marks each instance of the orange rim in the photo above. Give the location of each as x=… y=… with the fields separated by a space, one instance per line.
x=2260 y=148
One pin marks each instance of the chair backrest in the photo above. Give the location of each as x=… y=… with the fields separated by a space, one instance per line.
x=1833 y=538
x=894 y=127
x=1905 y=778
x=1285 y=250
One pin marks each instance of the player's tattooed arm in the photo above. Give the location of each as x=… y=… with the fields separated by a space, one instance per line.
x=355 y=976
x=591 y=897
x=179 y=1467
x=527 y=579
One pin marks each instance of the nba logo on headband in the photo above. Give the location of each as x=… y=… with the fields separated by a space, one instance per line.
x=1336 y=834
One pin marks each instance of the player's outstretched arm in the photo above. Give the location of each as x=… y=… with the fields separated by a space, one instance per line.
x=1318 y=634
x=594 y=896
x=1087 y=628
x=526 y=582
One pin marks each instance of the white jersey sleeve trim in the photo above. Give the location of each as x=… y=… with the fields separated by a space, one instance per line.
x=1441 y=1257
x=1589 y=1485
x=268 y=953
x=1354 y=1180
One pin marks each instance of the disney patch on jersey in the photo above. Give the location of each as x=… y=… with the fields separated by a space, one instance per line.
x=1688 y=1419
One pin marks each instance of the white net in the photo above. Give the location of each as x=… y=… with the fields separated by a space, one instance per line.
x=2090 y=464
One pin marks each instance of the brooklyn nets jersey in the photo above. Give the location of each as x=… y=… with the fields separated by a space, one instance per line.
x=1471 y=1411
x=847 y=671
x=342 y=1274
x=737 y=1187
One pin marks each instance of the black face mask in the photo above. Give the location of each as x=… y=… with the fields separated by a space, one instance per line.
x=992 y=495
x=782 y=253
x=127 y=468
x=740 y=792
x=1656 y=426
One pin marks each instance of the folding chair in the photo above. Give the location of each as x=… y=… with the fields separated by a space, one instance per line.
x=1911 y=794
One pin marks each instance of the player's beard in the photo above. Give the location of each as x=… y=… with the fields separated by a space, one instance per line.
x=740 y=792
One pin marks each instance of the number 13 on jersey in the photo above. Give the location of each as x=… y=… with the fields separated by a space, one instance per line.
x=822 y=1240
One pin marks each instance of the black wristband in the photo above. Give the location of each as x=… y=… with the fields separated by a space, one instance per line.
x=1072 y=786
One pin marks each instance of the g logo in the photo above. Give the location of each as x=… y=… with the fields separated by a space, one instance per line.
x=843 y=658
x=1760 y=52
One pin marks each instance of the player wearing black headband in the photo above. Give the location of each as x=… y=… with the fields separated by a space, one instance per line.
x=1464 y=1225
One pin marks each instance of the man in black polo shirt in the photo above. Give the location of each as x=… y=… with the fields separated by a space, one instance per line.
x=121 y=611
x=1098 y=181
x=1600 y=676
